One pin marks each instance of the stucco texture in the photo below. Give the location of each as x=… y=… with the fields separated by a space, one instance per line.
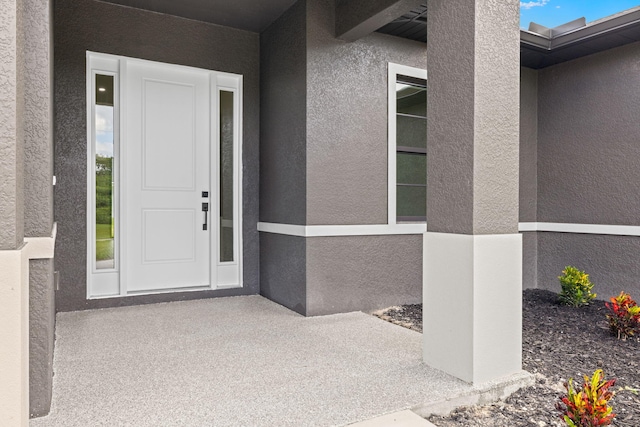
x=588 y=147
x=473 y=124
x=362 y=273
x=528 y=145
x=587 y=167
x=38 y=161
x=324 y=161
x=610 y=261
x=82 y=25
x=529 y=173
x=12 y=106
x=283 y=272
x=347 y=119
x=38 y=200
x=283 y=119
x=41 y=335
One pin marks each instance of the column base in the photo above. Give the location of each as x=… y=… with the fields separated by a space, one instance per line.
x=14 y=336
x=472 y=305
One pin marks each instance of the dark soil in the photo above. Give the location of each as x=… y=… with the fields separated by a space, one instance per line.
x=559 y=343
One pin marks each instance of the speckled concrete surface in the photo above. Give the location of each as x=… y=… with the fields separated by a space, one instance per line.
x=240 y=361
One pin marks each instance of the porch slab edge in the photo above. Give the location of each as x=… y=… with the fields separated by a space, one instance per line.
x=481 y=394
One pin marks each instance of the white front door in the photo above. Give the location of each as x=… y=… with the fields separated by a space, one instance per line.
x=164 y=142
x=166 y=178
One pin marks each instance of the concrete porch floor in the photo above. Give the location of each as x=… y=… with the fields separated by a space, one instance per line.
x=240 y=361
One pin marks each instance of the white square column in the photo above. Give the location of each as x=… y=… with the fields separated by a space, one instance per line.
x=472 y=311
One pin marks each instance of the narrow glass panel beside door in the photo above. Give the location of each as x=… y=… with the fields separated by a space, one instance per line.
x=104 y=176
x=226 y=176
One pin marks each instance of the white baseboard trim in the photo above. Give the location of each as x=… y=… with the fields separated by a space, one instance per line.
x=342 y=230
x=557 y=227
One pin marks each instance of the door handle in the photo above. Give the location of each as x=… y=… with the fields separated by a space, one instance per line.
x=205 y=209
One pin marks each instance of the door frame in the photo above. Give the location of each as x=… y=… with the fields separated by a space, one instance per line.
x=112 y=283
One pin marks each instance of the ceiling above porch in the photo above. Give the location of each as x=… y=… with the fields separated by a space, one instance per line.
x=412 y=25
x=250 y=15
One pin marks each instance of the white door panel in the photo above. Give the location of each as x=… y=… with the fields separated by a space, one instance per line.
x=166 y=169
x=169 y=136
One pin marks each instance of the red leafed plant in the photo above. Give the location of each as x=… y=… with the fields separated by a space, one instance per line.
x=589 y=405
x=624 y=316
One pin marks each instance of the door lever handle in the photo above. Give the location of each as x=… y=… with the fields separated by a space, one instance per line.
x=205 y=209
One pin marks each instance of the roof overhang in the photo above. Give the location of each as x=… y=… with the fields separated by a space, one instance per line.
x=541 y=47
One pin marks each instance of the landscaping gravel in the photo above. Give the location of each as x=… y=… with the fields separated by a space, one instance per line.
x=559 y=343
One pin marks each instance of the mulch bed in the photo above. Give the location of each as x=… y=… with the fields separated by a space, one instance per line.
x=559 y=342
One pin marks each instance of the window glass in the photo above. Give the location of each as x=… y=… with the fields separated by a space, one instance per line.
x=411 y=148
x=411 y=169
x=412 y=202
x=104 y=178
x=226 y=175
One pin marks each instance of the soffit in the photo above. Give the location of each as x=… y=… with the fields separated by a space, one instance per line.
x=412 y=25
x=250 y=15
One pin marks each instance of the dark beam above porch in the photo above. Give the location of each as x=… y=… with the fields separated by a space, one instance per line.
x=358 y=18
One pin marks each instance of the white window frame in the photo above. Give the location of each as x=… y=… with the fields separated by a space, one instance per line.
x=103 y=282
x=228 y=273
x=393 y=71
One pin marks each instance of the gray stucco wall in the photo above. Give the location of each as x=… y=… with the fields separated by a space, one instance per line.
x=283 y=129
x=528 y=144
x=610 y=261
x=347 y=119
x=529 y=172
x=82 y=25
x=588 y=147
x=11 y=125
x=331 y=113
x=362 y=273
x=283 y=270
x=283 y=156
x=588 y=156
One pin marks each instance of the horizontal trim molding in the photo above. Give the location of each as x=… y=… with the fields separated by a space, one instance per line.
x=420 y=228
x=41 y=247
x=342 y=230
x=558 y=227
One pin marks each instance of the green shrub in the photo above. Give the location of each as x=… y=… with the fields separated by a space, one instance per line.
x=576 y=287
x=588 y=406
x=624 y=316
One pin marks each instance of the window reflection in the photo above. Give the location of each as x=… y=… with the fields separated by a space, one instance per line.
x=411 y=149
x=104 y=149
x=226 y=176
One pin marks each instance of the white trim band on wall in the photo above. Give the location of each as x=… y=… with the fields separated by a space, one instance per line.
x=557 y=227
x=42 y=247
x=420 y=228
x=342 y=230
